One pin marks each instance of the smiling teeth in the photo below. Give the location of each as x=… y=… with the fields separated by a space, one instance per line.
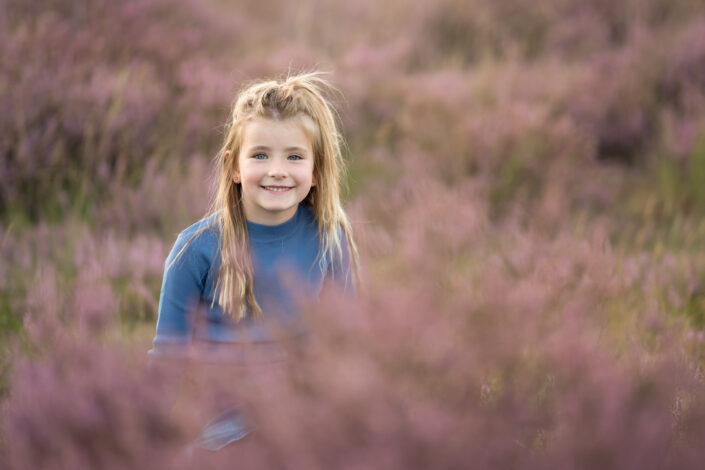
x=276 y=188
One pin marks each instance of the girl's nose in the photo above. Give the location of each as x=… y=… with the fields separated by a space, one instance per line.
x=276 y=169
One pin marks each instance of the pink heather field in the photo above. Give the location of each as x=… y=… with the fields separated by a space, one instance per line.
x=527 y=187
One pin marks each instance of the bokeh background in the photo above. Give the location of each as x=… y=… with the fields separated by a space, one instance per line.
x=527 y=185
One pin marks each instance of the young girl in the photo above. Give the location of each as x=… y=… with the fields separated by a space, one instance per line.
x=276 y=233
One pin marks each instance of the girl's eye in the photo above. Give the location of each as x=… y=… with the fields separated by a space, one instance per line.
x=295 y=157
x=259 y=156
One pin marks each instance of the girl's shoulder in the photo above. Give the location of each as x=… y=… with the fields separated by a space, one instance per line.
x=201 y=236
x=210 y=225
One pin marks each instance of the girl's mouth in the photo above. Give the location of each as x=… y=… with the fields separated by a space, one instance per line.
x=277 y=189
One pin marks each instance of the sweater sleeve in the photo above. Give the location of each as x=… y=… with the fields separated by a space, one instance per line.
x=182 y=288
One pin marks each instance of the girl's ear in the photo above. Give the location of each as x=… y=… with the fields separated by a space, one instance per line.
x=236 y=170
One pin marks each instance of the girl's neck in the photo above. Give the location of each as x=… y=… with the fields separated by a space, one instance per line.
x=262 y=232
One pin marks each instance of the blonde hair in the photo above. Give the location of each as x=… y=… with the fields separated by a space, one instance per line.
x=294 y=97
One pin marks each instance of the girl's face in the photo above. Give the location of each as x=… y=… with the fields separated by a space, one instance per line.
x=275 y=169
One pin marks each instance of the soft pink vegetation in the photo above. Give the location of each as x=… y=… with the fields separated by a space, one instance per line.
x=84 y=406
x=96 y=90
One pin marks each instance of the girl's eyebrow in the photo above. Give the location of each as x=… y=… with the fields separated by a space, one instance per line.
x=288 y=149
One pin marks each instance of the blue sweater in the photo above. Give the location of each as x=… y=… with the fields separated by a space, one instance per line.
x=286 y=270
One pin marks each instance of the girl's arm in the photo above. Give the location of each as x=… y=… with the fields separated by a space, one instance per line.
x=182 y=288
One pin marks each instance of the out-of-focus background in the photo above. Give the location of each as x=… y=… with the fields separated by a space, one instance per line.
x=527 y=184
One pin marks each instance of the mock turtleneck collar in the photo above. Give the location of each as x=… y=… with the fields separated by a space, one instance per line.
x=265 y=233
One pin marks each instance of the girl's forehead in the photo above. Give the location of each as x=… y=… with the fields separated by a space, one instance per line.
x=264 y=131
